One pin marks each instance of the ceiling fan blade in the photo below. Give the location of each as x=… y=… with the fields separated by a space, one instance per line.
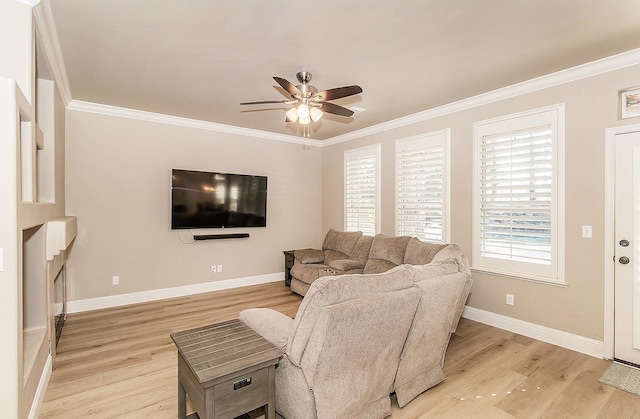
x=288 y=86
x=335 y=109
x=338 y=92
x=263 y=102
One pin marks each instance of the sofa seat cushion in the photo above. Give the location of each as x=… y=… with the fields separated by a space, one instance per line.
x=346 y=265
x=386 y=253
x=309 y=255
x=309 y=272
x=420 y=253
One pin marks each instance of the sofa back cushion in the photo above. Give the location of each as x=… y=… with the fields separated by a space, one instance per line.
x=362 y=249
x=386 y=253
x=330 y=290
x=339 y=244
x=454 y=252
x=353 y=353
x=420 y=253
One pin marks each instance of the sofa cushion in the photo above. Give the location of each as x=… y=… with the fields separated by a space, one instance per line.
x=362 y=249
x=432 y=270
x=331 y=290
x=308 y=273
x=309 y=255
x=331 y=255
x=341 y=241
x=346 y=264
x=386 y=252
x=376 y=266
x=454 y=252
x=420 y=253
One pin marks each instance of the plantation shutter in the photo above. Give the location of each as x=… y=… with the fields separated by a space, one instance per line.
x=516 y=190
x=420 y=184
x=361 y=191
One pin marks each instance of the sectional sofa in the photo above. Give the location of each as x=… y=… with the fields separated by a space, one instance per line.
x=376 y=319
x=355 y=253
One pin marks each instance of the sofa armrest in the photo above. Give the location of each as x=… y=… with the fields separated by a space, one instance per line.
x=270 y=324
x=309 y=255
x=346 y=264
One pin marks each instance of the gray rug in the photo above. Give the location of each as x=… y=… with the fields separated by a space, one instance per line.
x=623 y=377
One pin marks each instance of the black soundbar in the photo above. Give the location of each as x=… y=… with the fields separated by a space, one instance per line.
x=221 y=236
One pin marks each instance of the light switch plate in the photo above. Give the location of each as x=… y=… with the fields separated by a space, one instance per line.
x=587 y=232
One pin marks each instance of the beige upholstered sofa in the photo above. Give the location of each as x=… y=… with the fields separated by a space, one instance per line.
x=353 y=252
x=351 y=334
x=343 y=348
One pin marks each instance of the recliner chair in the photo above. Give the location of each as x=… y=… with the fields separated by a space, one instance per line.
x=343 y=348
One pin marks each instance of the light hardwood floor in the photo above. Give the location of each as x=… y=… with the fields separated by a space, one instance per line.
x=121 y=363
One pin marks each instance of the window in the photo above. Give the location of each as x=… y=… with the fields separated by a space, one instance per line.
x=362 y=189
x=422 y=187
x=518 y=179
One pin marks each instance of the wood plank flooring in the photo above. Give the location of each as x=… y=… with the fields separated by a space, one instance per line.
x=121 y=363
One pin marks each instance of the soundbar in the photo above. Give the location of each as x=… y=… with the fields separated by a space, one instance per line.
x=221 y=236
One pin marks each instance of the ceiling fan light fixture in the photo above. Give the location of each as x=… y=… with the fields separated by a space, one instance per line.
x=303 y=111
x=292 y=114
x=315 y=114
x=310 y=105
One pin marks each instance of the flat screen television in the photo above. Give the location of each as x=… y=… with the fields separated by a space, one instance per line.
x=217 y=200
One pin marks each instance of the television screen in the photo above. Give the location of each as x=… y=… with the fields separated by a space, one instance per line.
x=217 y=200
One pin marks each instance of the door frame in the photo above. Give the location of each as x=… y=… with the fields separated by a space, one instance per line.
x=609 y=235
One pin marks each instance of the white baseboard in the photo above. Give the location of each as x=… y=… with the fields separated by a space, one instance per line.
x=553 y=336
x=89 y=304
x=38 y=399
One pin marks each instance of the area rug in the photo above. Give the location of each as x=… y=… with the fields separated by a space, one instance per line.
x=623 y=377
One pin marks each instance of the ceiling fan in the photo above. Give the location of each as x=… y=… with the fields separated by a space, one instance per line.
x=309 y=103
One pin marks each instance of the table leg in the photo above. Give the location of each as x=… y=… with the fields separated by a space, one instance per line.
x=182 y=402
x=270 y=411
x=270 y=408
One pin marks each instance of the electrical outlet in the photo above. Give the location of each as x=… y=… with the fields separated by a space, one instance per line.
x=214 y=269
x=116 y=280
x=510 y=299
x=219 y=268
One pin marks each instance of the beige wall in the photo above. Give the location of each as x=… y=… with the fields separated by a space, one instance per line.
x=118 y=185
x=591 y=106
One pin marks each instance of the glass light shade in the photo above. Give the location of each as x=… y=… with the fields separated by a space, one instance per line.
x=292 y=114
x=303 y=111
x=304 y=121
x=315 y=114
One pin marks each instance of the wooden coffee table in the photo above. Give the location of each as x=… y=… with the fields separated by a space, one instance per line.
x=227 y=369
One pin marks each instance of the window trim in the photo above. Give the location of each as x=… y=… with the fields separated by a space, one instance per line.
x=442 y=137
x=555 y=115
x=375 y=150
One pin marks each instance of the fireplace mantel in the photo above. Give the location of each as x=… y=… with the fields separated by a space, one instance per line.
x=60 y=233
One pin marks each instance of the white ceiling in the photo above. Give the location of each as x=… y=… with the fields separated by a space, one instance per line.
x=200 y=58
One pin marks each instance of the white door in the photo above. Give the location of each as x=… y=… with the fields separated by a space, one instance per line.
x=627 y=247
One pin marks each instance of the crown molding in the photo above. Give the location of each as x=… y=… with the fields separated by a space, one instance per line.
x=77 y=105
x=605 y=65
x=51 y=47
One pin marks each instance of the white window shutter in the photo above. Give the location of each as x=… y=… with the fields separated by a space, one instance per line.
x=362 y=189
x=518 y=206
x=421 y=187
x=515 y=198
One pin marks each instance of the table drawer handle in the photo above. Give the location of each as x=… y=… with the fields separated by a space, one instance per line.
x=241 y=383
